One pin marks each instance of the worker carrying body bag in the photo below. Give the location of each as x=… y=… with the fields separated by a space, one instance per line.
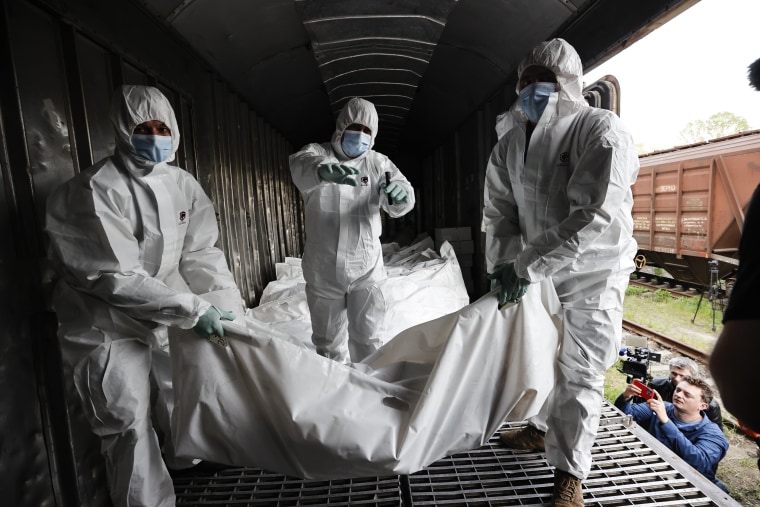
x=438 y=388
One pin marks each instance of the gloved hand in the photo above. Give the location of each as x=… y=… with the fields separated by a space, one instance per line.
x=337 y=173
x=511 y=287
x=396 y=191
x=210 y=323
x=495 y=276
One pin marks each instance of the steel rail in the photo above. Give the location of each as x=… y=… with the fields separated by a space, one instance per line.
x=683 y=348
x=682 y=293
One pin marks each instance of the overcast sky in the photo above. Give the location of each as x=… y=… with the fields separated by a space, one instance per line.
x=689 y=69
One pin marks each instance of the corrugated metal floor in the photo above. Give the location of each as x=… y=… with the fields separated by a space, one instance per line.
x=629 y=468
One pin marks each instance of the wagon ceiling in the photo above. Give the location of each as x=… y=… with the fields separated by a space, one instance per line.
x=425 y=64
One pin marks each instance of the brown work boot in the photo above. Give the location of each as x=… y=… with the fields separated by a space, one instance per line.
x=526 y=439
x=568 y=491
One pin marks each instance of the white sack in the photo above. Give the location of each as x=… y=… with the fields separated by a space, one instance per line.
x=422 y=285
x=438 y=388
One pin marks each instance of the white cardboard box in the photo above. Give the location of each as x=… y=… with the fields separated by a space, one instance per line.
x=460 y=247
x=453 y=234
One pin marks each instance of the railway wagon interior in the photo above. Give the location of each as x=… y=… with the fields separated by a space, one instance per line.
x=253 y=81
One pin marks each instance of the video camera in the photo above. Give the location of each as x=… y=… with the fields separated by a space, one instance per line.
x=635 y=361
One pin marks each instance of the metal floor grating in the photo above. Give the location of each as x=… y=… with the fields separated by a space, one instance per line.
x=626 y=470
x=249 y=486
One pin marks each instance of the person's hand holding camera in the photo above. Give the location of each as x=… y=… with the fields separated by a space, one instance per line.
x=631 y=391
x=638 y=388
x=658 y=407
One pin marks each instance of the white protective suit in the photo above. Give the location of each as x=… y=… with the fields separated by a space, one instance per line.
x=134 y=241
x=562 y=210
x=343 y=259
x=508 y=120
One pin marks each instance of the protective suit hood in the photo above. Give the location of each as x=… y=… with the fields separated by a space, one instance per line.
x=359 y=111
x=132 y=105
x=562 y=59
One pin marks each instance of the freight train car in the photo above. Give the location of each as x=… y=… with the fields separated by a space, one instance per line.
x=689 y=205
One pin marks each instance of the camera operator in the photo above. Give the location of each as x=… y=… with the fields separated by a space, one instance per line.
x=681 y=367
x=681 y=425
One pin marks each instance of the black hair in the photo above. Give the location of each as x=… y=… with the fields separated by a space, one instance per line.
x=753 y=74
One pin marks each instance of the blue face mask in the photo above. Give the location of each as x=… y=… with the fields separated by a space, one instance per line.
x=535 y=97
x=155 y=148
x=355 y=143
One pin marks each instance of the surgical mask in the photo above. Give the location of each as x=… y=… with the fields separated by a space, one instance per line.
x=355 y=143
x=155 y=148
x=535 y=97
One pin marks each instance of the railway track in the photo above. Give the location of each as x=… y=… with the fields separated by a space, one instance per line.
x=659 y=285
x=666 y=341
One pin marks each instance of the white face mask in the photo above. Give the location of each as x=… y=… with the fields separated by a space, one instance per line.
x=150 y=147
x=355 y=143
x=534 y=98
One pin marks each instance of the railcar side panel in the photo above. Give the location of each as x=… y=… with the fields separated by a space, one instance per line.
x=689 y=205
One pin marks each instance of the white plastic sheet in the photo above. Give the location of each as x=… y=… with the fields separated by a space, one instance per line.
x=438 y=388
x=422 y=285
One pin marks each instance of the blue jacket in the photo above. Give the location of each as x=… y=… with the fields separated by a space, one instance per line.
x=701 y=444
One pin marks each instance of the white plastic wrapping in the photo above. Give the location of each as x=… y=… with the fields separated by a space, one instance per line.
x=422 y=285
x=438 y=388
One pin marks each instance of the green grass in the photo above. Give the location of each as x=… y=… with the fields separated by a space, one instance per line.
x=670 y=315
x=614 y=384
x=738 y=470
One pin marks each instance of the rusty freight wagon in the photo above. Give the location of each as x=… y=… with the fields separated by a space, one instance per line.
x=689 y=205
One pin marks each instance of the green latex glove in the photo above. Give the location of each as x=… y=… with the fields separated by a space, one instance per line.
x=511 y=287
x=396 y=192
x=210 y=323
x=337 y=173
x=495 y=276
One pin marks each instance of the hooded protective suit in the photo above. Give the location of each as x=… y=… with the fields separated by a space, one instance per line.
x=343 y=261
x=508 y=119
x=560 y=208
x=134 y=243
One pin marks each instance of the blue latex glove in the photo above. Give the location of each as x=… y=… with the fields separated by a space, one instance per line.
x=337 y=173
x=396 y=192
x=511 y=287
x=210 y=323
